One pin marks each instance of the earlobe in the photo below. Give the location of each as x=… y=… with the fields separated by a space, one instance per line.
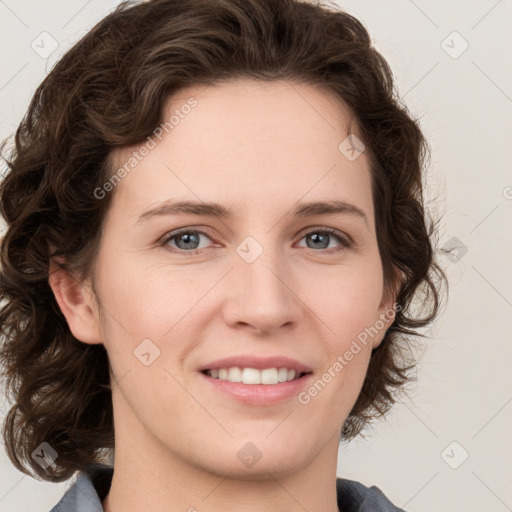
x=75 y=300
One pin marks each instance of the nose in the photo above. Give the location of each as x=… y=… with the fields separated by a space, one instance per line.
x=263 y=295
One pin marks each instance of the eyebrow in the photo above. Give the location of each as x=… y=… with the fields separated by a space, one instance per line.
x=216 y=210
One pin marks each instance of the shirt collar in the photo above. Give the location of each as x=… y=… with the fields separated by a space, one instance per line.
x=88 y=491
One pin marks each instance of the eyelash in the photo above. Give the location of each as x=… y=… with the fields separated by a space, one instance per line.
x=345 y=241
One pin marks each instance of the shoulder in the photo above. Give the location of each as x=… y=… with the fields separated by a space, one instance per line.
x=87 y=492
x=355 y=497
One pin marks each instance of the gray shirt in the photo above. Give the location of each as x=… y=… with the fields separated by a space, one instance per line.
x=92 y=486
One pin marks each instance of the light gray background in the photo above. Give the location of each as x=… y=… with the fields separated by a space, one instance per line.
x=463 y=393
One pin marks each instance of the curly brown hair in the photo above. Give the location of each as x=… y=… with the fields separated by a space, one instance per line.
x=108 y=91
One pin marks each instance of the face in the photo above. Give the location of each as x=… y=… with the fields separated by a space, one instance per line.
x=275 y=288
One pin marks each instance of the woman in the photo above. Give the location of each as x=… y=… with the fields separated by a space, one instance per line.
x=215 y=232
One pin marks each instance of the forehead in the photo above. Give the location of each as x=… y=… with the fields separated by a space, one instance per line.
x=249 y=110
x=247 y=142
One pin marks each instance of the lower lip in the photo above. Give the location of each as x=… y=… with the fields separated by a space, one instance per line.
x=259 y=394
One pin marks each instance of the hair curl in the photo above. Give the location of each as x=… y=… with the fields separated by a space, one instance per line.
x=109 y=91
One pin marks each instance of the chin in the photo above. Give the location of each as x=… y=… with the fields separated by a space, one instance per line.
x=258 y=460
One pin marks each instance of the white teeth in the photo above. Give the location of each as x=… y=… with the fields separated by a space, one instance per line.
x=282 y=374
x=267 y=376
x=251 y=376
x=235 y=374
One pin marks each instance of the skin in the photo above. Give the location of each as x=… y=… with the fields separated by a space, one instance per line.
x=257 y=148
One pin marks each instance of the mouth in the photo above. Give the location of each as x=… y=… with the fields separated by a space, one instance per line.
x=255 y=376
x=255 y=380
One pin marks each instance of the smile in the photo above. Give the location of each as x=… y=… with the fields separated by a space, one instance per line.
x=252 y=391
x=253 y=376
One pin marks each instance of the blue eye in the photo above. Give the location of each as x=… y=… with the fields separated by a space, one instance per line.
x=188 y=240
x=324 y=235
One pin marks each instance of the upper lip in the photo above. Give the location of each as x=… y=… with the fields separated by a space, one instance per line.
x=260 y=363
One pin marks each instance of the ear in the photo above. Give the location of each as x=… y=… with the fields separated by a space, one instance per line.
x=388 y=307
x=76 y=301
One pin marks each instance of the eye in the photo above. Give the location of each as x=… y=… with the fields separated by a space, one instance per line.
x=188 y=240
x=322 y=236
x=185 y=239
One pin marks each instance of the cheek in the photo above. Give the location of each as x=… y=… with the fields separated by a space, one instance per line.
x=147 y=302
x=348 y=300
x=350 y=314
